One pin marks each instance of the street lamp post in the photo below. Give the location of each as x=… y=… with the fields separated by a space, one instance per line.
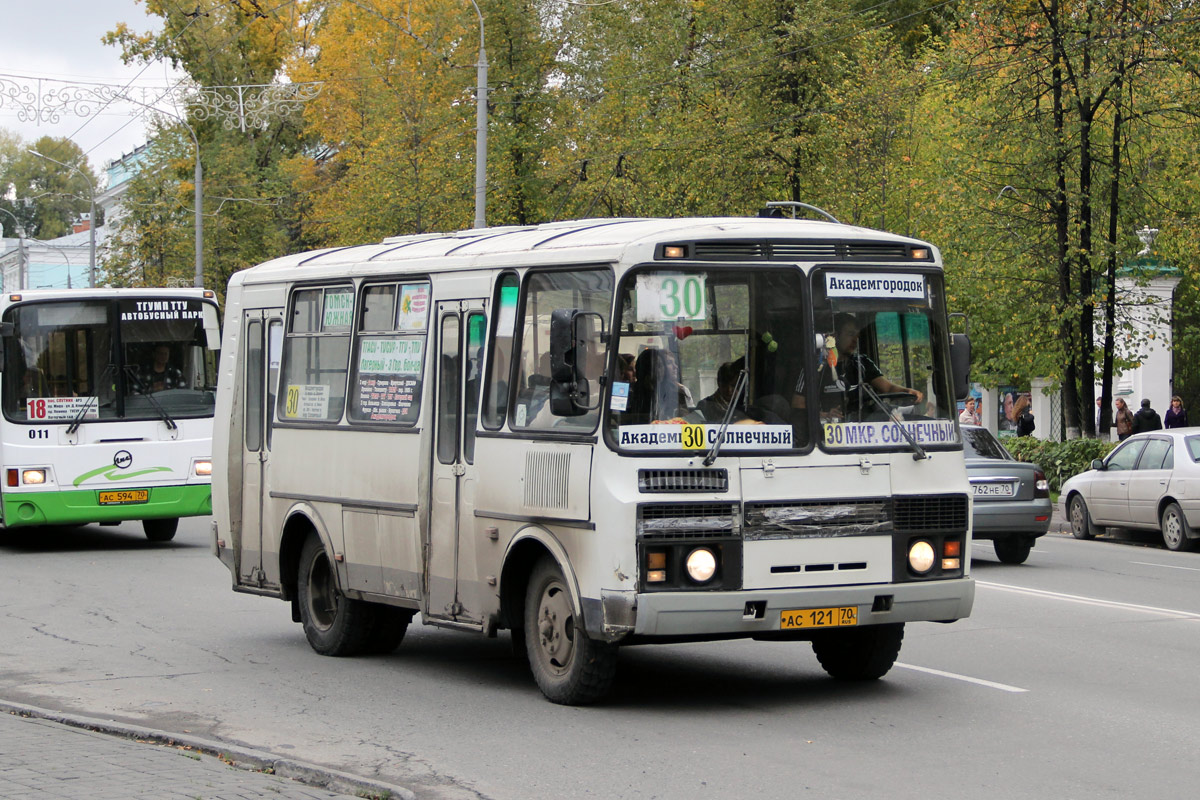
x=91 y=222
x=21 y=249
x=480 y=128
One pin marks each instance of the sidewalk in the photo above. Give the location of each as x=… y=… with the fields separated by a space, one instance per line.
x=45 y=755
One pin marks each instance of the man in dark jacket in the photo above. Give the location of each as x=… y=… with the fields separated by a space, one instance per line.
x=1146 y=419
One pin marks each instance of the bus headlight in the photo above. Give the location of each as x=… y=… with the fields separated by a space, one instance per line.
x=33 y=477
x=701 y=564
x=921 y=557
x=202 y=468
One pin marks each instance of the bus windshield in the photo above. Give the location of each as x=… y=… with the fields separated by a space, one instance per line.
x=683 y=340
x=106 y=359
x=881 y=361
x=871 y=364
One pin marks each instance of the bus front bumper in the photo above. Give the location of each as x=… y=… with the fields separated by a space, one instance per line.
x=80 y=507
x=682 y=615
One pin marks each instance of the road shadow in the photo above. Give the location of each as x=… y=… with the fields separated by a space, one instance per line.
x=734 y=675
x=82 y=538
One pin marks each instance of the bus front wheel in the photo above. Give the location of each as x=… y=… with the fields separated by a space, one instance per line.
x=569 y=668
x=334 y=624
x=160 y=530
x=859 y=654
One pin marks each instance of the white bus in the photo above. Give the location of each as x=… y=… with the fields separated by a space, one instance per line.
x=108 y=398
x=598 y=433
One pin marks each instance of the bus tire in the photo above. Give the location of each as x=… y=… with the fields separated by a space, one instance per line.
x=387 y=629
x=569 y=668
x=859 y=654
x=160 y=530
x=334 y=624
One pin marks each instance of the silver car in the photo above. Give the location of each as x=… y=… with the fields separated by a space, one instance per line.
x=1012 y=498
x=1151 y=481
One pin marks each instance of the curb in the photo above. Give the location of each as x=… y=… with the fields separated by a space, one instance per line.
x=240 y=757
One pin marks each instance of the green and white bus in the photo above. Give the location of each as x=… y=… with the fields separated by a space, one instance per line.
x=595 y=434
x=108 y=398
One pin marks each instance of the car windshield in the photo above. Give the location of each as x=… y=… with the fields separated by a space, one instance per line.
x=143 y=358
x=979 y=443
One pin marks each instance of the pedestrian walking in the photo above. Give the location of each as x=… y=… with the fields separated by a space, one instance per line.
x=1176 y=415
x=1023 y=417
x=1146 y=419
x=1123 y=420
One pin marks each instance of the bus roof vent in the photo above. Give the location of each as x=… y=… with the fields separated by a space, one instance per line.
x=804 y=251
x=682 y=480
x=729 y=251
x=876 y=251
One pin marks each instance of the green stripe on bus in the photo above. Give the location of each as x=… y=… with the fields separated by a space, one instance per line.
x=82 y=507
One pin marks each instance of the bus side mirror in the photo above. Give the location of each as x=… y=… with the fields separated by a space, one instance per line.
x=212 y=326
x=573 y=335
x=7 y=329
x=960 y=364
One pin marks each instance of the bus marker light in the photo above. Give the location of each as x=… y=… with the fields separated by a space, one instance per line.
x=202 y=467
x=701 y=564
x=656 y=576
x=920 y=253
x=921 y=557
x=33 y=477
x=674 y=251
x=12 y=478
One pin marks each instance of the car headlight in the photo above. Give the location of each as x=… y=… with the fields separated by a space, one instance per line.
x=921 y=557
x=701 y=564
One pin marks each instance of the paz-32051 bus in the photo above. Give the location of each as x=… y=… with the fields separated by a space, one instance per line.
x=599 y=433
x=108 y=398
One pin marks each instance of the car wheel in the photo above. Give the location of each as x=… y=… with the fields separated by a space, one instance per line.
x=859 y=654
x=569 y=668
x=1175 y=528
x=1081 y=523
x=1013 y=550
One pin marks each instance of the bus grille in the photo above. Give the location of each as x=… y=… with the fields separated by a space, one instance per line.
x=686 y=520
x=683 y=480
x=945 y=513
x=816 y=519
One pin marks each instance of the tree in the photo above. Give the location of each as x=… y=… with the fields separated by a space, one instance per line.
x=46 y=197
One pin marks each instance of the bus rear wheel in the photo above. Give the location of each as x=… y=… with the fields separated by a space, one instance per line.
x=160 y=530
x=569 y=668
x=334 y=624
x=859 y=654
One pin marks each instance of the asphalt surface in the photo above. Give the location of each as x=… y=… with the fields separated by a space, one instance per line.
x=48 y=754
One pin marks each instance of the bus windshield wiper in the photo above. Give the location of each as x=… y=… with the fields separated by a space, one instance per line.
x=918 y=451
x=130 y=372
x=104 y=373
x=738 y=389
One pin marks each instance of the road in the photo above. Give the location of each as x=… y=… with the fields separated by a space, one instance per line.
x=1074 y=678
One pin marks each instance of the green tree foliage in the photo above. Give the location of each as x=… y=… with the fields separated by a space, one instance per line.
x=46 y=197
x=250 y=209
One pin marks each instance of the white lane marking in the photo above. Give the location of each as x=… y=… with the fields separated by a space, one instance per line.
x=1004 y=687
x=1165 y=566
x=1091 y=601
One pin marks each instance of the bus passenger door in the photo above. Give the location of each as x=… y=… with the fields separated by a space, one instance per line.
x=453 y=575
x=263 y=331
